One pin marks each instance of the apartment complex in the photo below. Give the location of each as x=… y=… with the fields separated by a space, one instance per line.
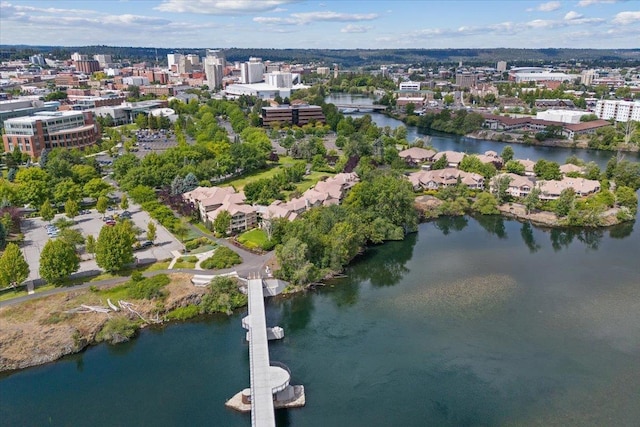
x=50 y=129
x=620 y=111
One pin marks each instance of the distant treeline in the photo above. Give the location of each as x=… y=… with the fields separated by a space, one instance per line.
x=353 y=58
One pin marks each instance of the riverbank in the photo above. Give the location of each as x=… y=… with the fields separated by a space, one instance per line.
x=45 y=329
x=517 y=138
x=429 y=208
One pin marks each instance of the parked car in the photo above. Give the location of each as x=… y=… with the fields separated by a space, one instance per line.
x=107 y=218
x=126 y=215
x=110 y=222
x=138 y=246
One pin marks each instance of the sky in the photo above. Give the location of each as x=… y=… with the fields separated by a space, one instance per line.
x=325 y=24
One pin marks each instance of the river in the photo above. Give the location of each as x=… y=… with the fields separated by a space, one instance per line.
x=467 y=322
x=441 y=141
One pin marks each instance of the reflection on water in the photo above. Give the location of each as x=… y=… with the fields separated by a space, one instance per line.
x=526 y=231
x=384 y=265
x=494 y=224
x=447 y=224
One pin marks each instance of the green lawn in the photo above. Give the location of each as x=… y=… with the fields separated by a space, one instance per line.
x=22 y=291
x=255 y=238
x=239 y=183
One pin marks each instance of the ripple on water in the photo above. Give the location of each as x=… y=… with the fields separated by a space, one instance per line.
x=469 y=297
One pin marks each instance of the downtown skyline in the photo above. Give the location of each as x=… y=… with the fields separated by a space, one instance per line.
x=327 y=24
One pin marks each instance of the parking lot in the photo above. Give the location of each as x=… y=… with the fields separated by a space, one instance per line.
x=35 y=237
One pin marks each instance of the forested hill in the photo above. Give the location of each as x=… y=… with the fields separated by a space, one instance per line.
x=349 y=58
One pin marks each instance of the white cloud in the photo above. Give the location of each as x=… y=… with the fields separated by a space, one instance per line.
x=549 y=6
x=355 y=29
x=306 y=17
x=626 y=18
x=310 y=17
x=572 y=15
x=272 y=20
x=585 y=3
x=222 y=7
x=541 y=23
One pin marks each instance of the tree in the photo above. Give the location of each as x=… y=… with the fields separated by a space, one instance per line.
x=14 y=269
x=441 y=163
x=96 y=187
x=58 y=261
x=114 y=249
x=222 y=223
x=565 y=202
x=500 y=187
x=71 y=208
x=181 y=229
x=124 y=202
x=532 y=200
x=46 y=211
x=448 y=99
x=547 y=170
x=514 y=166
x=486 y=204
x=141 y=121
x=34 y=185
x=11 y=175
x=90 y=244
x=507 y=154
x=294 y=265
x=190 y=182
x=3 y=233
x=102 y=204
x=151 y=231
x=626 y=197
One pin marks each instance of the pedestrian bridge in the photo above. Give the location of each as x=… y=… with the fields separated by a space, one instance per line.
x=270 y=388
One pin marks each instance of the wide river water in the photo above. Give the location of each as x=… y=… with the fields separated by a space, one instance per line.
x=469 y=322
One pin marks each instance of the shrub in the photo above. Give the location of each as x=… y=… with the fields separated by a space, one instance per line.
x=223 y=296
x=183 y=313
x=148 y=288
x=196 y=243
x=223 y=257
x=117 y=329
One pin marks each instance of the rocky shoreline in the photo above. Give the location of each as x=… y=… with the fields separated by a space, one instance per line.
x=428 y=205
x=42 y=330
x=515 y=138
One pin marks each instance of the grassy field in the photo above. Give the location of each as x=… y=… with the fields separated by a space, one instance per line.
x=308 y=181
x=255 y=238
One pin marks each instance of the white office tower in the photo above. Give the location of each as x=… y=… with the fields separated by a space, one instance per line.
x=173 y=59
x=103 y=60
x=214 y=64
x=502 y=66
x=78 y=57
x=252 y=71
x=194 y=60
x=280 y=80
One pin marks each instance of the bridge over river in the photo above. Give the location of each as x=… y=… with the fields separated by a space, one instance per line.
x=270 y=388
x=359 y=108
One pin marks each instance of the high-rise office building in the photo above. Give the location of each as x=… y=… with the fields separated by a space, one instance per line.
x=214 y=64
x=252 y=71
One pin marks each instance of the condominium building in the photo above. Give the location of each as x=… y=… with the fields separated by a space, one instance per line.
x=214 y=64
x=50 y=129
x=620 y=111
